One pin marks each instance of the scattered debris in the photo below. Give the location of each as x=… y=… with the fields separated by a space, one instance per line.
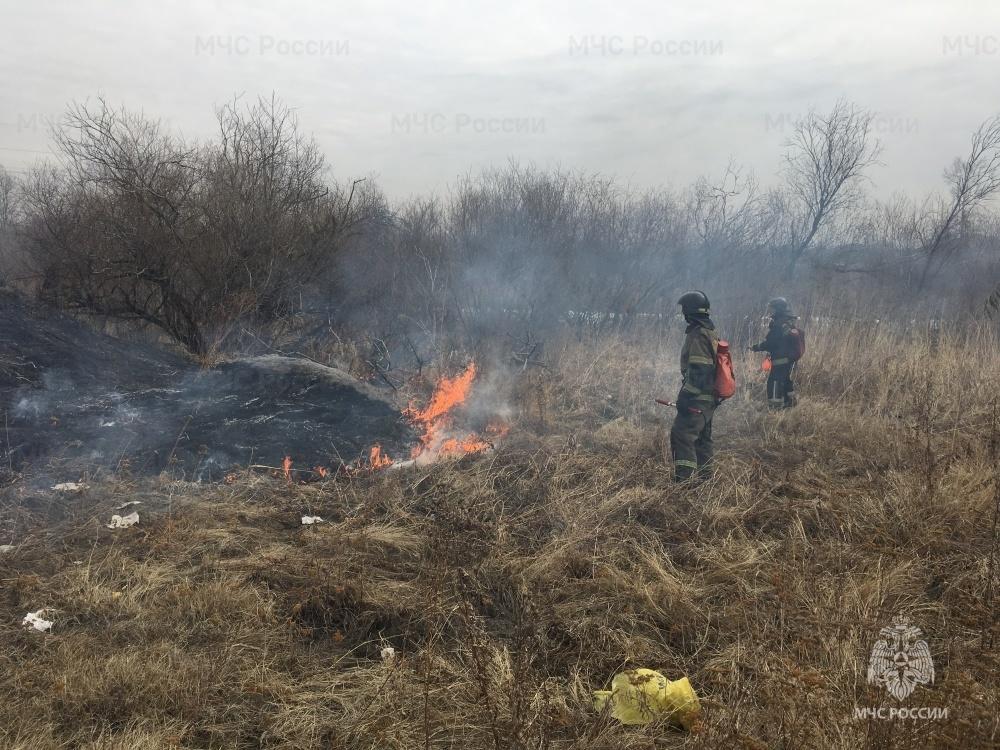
x=310 y=520
x=388 y=653
x=69 y=487
x=123 y=522
x=36 y=621
x=639 y=696
x=5 y=548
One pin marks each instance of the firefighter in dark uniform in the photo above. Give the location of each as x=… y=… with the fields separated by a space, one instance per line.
x=691 y=434
x=781 y=346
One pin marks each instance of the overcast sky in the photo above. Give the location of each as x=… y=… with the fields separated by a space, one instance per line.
x=416 y=93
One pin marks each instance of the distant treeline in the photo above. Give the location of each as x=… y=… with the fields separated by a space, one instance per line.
x=203 y=241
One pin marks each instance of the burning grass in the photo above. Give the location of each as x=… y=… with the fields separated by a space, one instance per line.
x=440 y=435
x=511 y=583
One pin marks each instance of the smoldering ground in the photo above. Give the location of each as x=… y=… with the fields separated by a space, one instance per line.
x=242 y=413
x=83 y=402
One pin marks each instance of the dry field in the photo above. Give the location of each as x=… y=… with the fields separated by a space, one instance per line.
x=512 y=584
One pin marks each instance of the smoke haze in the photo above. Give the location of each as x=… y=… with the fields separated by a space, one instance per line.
x=654 y=93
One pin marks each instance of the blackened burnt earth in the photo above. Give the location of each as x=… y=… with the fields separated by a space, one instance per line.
x=74 y=400
x=36 y=343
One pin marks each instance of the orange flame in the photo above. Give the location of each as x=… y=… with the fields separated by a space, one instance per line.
x=378 y=459
x=286 y=466
x=438 y=438
x=468 y=444
x=435 y=419
x=448 y=393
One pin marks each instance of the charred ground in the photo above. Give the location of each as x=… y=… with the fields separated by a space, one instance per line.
x=77 y=402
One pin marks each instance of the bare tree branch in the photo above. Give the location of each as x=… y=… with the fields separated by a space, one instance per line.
x=825 y=162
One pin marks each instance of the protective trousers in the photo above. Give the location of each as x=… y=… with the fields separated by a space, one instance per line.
x=780 y=389
x=691 y=440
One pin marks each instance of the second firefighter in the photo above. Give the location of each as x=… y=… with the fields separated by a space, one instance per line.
x=785 y=344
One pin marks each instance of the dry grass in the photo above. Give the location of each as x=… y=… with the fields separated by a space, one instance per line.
x=511 y=585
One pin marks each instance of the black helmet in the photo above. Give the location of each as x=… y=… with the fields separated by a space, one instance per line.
x=693 y=303
x=778 y=306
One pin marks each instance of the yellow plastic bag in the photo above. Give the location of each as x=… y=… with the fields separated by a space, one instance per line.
x=638 y=696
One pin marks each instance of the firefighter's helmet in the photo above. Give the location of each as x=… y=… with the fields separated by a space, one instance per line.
x=778 y=306
x=694 y=303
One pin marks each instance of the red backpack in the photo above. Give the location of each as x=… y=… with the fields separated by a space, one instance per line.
x=725 y=377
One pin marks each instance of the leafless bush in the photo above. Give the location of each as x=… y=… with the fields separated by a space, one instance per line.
x=140 y=225
x=8 y=200
x=519 y=247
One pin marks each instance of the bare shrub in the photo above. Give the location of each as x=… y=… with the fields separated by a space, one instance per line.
x=140 y=225
x=9 y=215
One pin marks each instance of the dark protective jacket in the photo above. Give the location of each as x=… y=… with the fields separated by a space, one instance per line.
x=698 y=362
x=779 y=342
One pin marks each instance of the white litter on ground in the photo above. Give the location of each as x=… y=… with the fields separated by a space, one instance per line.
x=129 y=504
x=388 y=653
x=123 y=522
x=36 y=621
x=69 y=487
x=5 y=548
x=309 y=520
